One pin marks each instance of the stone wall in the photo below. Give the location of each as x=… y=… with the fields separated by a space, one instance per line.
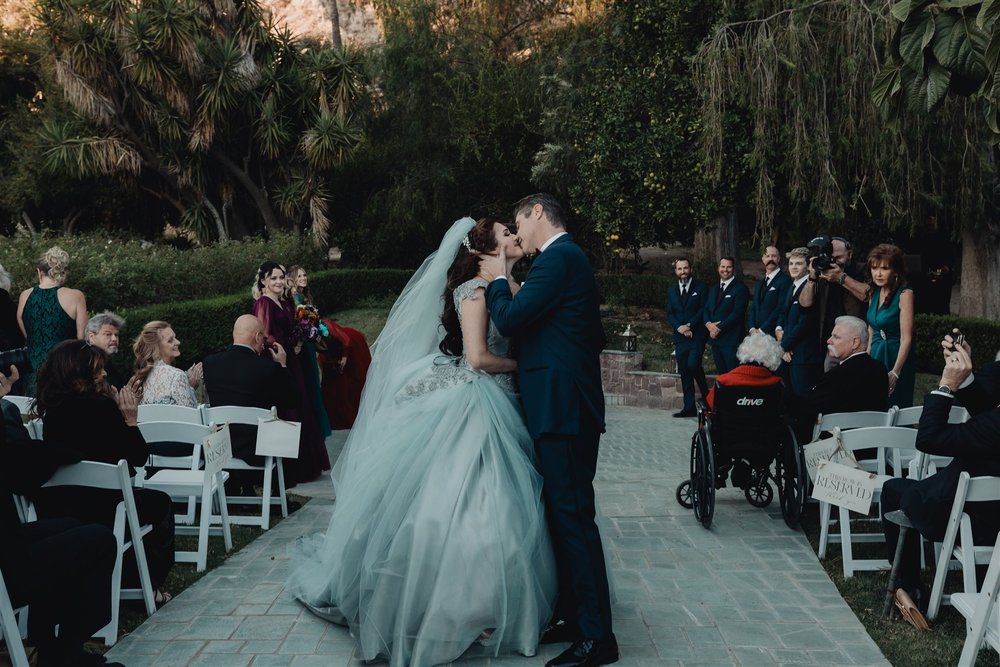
x=625 y=383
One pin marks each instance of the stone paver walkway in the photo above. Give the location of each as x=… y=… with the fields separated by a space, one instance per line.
x=747 y=592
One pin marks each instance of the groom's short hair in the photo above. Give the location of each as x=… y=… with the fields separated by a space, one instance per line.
x=553 y=209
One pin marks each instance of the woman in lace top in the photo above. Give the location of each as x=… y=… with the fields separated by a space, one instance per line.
x=158 y=381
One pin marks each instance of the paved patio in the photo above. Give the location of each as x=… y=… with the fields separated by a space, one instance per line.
x=748 y=592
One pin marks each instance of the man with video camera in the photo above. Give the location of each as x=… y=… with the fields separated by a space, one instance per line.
x=836 y=284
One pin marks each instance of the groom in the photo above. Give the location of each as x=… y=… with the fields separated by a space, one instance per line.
x=556 y=320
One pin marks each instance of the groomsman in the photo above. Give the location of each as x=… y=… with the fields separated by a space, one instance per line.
x=798 y=330
x=725 y=316
x=770 y=295
x=685 y=313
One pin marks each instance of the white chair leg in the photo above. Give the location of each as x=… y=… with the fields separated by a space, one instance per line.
x=265 y=501
x=109 y=633
x=281 y=490
x=824 y=528
x=203 y=525
x=11 y=631
x=227 y=533
x=846 y=548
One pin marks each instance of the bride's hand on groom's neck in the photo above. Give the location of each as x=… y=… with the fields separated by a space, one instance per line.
x=492 y=265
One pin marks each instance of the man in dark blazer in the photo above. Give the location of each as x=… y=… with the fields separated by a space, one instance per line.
x=725 y=316
x=798 y=330
x=973 y=445
x=770 y=294
x=556 y=319
x=685 y=313
x=243 y=375
x=857 y=383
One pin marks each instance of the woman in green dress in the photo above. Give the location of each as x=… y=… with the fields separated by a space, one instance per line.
x=49 y=313
x=298 y=284
x=890 y=321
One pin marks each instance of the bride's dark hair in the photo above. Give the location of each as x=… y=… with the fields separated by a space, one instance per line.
x=482 y=238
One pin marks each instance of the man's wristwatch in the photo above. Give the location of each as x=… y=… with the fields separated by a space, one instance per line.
x=945 y=389
x=842 y=279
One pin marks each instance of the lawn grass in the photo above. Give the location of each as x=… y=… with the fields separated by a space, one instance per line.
x=368 y=317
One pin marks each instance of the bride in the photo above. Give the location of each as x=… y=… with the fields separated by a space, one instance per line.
x=437 y=547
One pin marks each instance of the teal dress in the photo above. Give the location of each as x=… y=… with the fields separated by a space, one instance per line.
x=884 y=322
x=310 y=374
x=47 y=325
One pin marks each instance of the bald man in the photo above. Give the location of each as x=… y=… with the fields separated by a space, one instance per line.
x=247 y=375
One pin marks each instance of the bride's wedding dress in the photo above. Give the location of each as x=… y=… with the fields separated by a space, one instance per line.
x=438 y=546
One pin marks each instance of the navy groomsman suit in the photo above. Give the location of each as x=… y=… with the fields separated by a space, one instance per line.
x=768 y=301
x=689 y=309
x=727 y=307
x=800 y=336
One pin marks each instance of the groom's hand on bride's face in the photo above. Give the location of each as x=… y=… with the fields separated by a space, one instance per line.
x=492 y=265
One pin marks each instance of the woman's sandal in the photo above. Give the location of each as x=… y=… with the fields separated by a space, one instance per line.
x=161 y=598
x=908 y=610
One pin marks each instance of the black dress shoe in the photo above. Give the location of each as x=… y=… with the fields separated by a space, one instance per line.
x=587 y=653
x=686 y=413
x=560 y=632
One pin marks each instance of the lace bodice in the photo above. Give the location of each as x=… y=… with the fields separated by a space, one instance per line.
x=449 y=371
x=169 y=385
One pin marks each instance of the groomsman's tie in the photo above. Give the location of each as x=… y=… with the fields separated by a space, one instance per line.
x=722 y=288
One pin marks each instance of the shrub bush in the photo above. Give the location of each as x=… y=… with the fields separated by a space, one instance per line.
x=982 y=335
x=117 y=273
x=623 y=289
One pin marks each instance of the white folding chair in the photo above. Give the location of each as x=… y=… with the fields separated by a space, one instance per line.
x=182 y=479
x=23 y=403
x=843 y=421
x=893 y=441
x=157 y=412
x=234 y=414
x=958 y=544
x=34 y=429
x=10 y=630
x=979 y=609
x=90 y=474
x=911 y=416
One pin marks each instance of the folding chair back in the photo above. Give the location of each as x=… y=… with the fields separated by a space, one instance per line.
x=188 y=433
x=958 y=543
x=850 y=420
x=911 y=416
x=155 y=412
x=114 y=477
x=23 y=403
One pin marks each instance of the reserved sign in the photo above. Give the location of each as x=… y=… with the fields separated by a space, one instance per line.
x=844 y=486
x=828 y=449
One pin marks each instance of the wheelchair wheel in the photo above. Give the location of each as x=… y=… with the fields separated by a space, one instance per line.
x=684 y=494
x=791 y=479
x=702 y=478
x=759 y=493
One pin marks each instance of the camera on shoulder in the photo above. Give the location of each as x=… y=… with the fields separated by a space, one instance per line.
x=17 y=357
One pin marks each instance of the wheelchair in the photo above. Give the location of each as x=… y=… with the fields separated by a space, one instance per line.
x=747 y=442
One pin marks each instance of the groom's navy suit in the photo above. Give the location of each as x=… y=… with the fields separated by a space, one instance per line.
x=556 y=320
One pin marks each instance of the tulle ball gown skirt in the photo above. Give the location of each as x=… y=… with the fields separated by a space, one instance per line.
x=438 y=547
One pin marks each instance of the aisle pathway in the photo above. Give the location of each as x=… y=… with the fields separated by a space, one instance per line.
x=749 y=592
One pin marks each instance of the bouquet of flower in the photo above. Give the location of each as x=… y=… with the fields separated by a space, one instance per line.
x=307 y=324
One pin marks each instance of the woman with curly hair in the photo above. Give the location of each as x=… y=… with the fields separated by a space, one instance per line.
x=156 y=378
x=49 y=313
x=890 y=321
x=437 y=547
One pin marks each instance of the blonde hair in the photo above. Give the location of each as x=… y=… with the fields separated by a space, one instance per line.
x=147 y=349
x=54 y=264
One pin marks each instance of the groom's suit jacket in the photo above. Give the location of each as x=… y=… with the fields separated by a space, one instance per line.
x=555 y=318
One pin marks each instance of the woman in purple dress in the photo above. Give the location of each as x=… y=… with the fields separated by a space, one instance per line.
x=277 y=313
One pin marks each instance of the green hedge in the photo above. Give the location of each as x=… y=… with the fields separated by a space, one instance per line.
x=642 y=290
x=116 y=273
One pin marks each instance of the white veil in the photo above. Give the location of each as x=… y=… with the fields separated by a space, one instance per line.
x=411 y=334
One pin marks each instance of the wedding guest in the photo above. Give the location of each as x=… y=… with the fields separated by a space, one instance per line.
x=156 y=379
x=83 y=414
x=61 y=568
x=927 y=503
x=685 y=313
x=298 y=281
x=277 y=315
x=890 y=321
x=345 y=367
x=103 y=331
x=49 y=312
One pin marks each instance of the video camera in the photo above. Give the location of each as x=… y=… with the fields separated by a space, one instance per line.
x=17 y=357
x=821 y=253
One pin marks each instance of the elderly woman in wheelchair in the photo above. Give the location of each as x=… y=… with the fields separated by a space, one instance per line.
x=743 y=438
